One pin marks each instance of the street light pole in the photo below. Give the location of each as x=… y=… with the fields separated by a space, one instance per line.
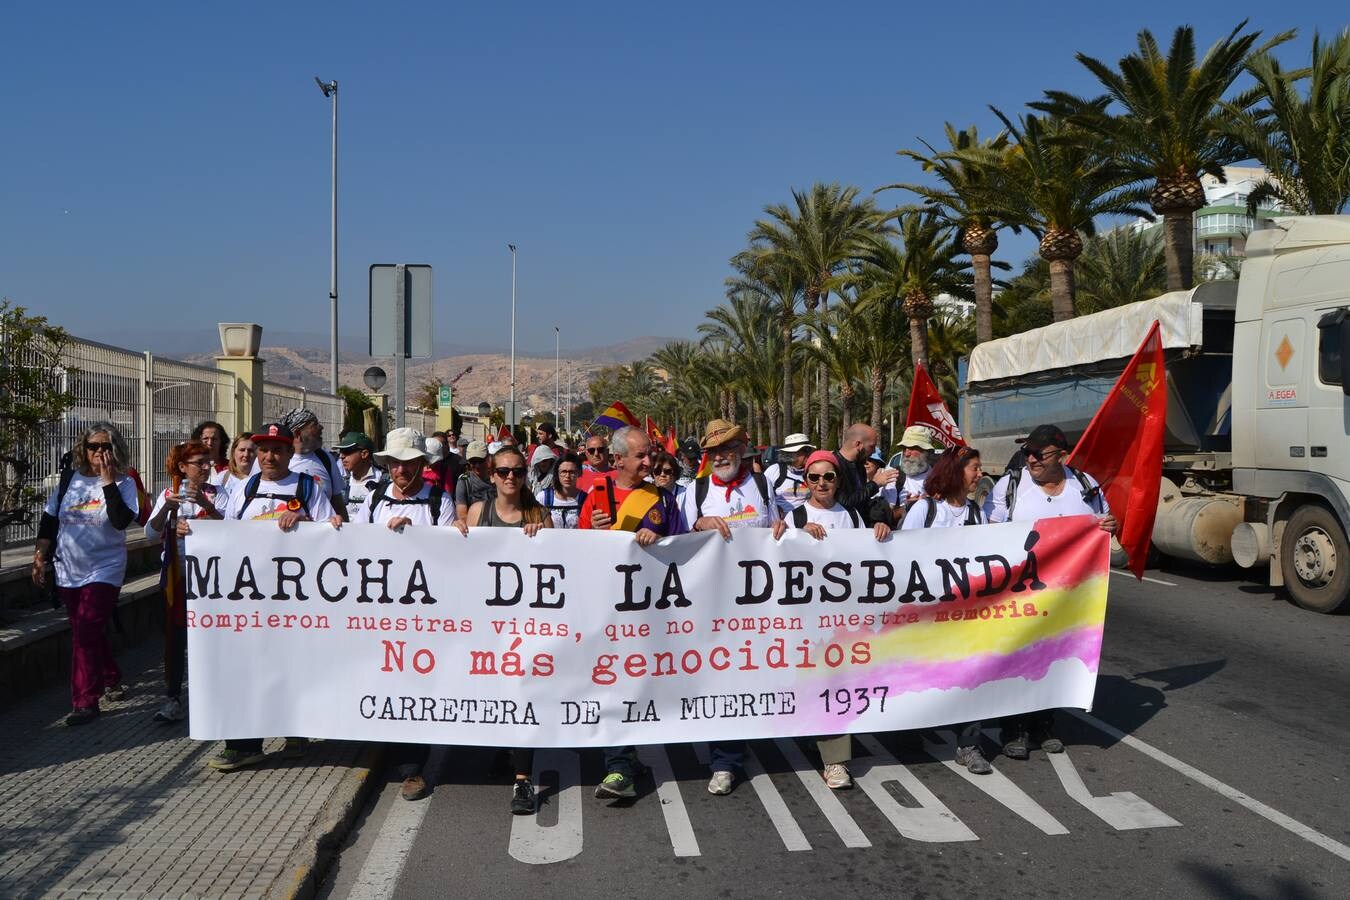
x=513 y=334
x=329 y=89
x=557 y=376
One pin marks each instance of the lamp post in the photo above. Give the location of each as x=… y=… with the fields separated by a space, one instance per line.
x=329 y=89
x=557 y=376
x=512 y=415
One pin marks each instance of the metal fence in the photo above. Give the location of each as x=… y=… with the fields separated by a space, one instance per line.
x=154 y=402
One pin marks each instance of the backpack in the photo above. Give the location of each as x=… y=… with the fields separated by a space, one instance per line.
x=1091 y=493
x=304 y=492
x=701 y=491
x=550 y=506
x=433 y=501
x=799 y=516
x=972 y=513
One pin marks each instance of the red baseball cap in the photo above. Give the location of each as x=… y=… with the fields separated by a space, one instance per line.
x=273 y=431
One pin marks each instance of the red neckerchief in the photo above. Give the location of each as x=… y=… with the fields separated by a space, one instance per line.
x=731 y=485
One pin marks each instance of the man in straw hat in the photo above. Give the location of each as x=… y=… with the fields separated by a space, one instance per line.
x=733 y=495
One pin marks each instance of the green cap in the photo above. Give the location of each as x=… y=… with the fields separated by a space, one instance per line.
x=356 y=440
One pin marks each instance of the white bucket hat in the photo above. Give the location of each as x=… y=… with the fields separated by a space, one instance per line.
x=796 y=442
x=404 y=445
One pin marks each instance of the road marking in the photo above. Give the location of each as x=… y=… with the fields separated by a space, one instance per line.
x=388 y=854
x=1122 y=810
x=782 y=820
x=536 y=844
x=998 y=786
x=931 y=822
x=682 y=839
x=1129 y=574
x=1293 y=826
x=829 y=804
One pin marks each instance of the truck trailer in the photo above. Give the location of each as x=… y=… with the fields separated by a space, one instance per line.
x=1256 y=464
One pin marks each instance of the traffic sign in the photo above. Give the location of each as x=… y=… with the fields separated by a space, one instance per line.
x=443 y=401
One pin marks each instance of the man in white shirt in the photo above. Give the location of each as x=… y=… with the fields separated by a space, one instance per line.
x=918 y=446
x=787 y=477
x=360 y=474
x=734 y=495
x=310 y=457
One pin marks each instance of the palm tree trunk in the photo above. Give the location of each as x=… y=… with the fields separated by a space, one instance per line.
x=824 y=388
x=918 y=340
x=847 y=397
x=754 y=423
x=771 y=416
x=984 y=297
x=1061 y=289
x=878 y=391
x=1180 y=249
x=806 y=399
x=787 y=372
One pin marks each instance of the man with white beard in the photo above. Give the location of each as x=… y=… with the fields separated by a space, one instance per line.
x=918 y=447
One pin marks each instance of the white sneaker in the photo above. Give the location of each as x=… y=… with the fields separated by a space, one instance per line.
x=837 y=777
x=171 y=711
x=720 y=783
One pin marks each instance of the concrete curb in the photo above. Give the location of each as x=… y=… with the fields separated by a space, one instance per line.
x=307 y=864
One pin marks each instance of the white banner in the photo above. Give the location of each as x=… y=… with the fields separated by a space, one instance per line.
x=577 y=639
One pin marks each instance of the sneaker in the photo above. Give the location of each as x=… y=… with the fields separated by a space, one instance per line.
x=1049 y=743
x=1015 y=745
x=720 y=783
x=414 y=788
x=294 y=748
x=115 y=692
x=837 y=777
x=171 y=711
x=82 y=715
x=973 y=760
x=615 y=785
x=522 y=798
x=228 y=759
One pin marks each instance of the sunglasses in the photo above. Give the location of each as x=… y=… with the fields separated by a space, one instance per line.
x=98 y=447
x=595 y=449
x=817 y=477
x=1042 y=453
x=663 y=471
x=505 y=472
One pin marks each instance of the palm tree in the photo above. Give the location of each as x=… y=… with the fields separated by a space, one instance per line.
x=742 y=330
x=1303 y=141
x=1054 y=182
x=770 y=276
x=1172 y=124
x=1118 y=267
x=835 y=350
x=874 y=326
x=951 y=336
x=824 y=229
x=960 y=199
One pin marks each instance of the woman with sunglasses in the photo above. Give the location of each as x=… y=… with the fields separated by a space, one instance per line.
x=561 y=497
x=820 y=514
x=190 y=495
x=666 y=472
x=82 y=528
x=513 y=507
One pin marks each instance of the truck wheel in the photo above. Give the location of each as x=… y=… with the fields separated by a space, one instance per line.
x=1315 y=557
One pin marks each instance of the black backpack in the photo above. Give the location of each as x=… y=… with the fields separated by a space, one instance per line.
x=380 y=495
x=1092 y=494
x=701 y=486
x=799 y=516
x=304 y=491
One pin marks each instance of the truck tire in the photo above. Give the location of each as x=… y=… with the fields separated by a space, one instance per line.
x=1315 y=557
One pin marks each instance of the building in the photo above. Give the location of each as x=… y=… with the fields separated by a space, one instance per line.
x=1222 y=224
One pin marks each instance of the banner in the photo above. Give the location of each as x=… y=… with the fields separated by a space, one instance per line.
x=582 y=639
x=926 y=407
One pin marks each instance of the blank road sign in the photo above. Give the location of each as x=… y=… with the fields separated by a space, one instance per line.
x=416 y=312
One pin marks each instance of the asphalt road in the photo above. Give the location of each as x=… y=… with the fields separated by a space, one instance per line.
x=1213 y=765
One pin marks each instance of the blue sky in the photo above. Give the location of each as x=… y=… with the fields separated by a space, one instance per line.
x=166 y=166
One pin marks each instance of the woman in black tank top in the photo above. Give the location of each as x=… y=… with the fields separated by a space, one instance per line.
x=513 y=507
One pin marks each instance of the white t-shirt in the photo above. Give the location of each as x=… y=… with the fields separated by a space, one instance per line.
x=793 y=492
x=271 y=499
x=333 y=478
x=88 y=548
x=836 y=516
x=228 y=486
x=219 y=477
x=358 y=489
x=1033 y=503
x=946 y=516
x=744 y=508
x=564 y=512
x=418 y=508
x=186 y=510
x=910 y=484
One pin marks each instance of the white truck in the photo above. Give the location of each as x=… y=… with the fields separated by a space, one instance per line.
x=1256 y=465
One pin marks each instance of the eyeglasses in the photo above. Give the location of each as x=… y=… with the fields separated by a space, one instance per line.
x=572 y=472
x=1042 y=454
x=199 y=463
x=728 y=450
x=505 y=472
x=96 y=448
x=817 y=477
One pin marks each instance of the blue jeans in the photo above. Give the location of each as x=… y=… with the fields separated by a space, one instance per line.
x=727 y=756
x=622 y=760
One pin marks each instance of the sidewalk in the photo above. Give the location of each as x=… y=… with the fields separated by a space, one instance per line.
x=126 y=807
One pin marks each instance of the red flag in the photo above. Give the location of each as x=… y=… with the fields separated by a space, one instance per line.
x=926 y=407
x=654 y=433
x=671 y=442
x=505 y=433
x=1123 y=447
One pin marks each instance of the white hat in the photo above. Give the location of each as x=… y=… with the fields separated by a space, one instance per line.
x=796 y=442
x=920 y=436
x=494 y=447
x=404 y=445
x=435 y=449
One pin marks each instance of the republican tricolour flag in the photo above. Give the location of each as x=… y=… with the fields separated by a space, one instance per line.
x=1123 y=447
x=926 y=407
x=616 y=416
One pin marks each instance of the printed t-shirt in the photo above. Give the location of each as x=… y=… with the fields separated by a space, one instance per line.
x=835 y=517
x=742 y=507
x=645 y=506
x=272 y=507
x=1033 y=503
x=589 y=478
x=793 y=492
x=358 y=489
x=186 y=510
x=565 y=513
x=417 y=508
x=947 y=516
x=88 y=548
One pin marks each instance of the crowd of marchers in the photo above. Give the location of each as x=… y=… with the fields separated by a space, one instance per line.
x=623 y=482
